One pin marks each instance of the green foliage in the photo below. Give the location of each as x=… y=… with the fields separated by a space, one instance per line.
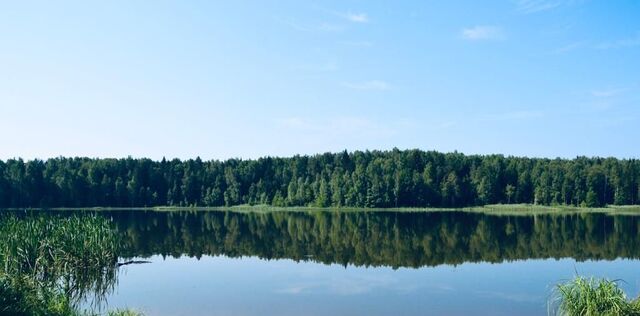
x=409 y=178
x=82 y=251
x=509 y=191
x=20 y=295
x=124 y=312
x=591 y=199
x=49 y=263
x=593 y=297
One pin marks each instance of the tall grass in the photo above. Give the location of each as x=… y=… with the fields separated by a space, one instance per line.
x=592 y=297
x=77 y=253
x=51 y=263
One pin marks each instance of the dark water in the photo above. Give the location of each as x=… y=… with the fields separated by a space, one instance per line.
x=372 y=263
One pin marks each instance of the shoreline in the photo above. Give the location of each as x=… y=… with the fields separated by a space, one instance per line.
x=496 y=209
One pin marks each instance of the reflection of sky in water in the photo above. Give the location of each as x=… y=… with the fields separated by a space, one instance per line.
x=250 y=286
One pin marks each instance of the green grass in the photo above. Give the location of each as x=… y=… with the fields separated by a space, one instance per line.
x=79 y=251
x=592 y=297
x=124 y=312
x=50 y=263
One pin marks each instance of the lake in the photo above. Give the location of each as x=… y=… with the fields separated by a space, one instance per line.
x=362 y=262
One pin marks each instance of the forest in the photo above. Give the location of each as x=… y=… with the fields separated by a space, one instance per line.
x=369 y=179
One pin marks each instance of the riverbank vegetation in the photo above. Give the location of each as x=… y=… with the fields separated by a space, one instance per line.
x=370 y=179
x=50 y=264
x=593 y=297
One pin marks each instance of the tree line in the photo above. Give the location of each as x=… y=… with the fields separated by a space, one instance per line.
x=395 y=178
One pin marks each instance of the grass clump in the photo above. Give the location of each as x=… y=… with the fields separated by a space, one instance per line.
x=593 y=297
x=124 y=312
x=50 y=263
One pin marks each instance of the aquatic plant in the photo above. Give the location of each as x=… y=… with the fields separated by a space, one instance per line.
x=77 y=253
x=50 y=263
x=593 y=297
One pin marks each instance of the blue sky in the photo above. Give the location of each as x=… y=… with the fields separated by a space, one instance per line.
x=221 y=79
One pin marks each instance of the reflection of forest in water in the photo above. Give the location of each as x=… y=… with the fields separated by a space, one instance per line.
x=397 y=239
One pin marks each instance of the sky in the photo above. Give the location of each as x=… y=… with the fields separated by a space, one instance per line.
x=247 y=79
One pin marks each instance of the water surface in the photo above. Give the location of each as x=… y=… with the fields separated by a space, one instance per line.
x=373 y=263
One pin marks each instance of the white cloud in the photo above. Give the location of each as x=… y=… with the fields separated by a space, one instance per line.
x=510 y=296
x=567 y=48
x=535 y=6
x=343 y=126
x=357 y=43
x=294 y=122
x=607 y=93
x=296 y=289
x=345 y=286
x=294 y=25
x=325 y=67
x=340 y=124
x=357 y=17
x=616 y=121
x=368 y=85
x=605 y=99
x=322 y=27
x=328 y=27
x=608 y=100
x=621 y=43
x=511 y=116
x=444 y=125
x=483 y=32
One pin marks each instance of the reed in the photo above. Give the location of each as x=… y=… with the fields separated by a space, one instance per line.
x=50 y=263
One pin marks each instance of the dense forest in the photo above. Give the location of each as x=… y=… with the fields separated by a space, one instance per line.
x=396 y=178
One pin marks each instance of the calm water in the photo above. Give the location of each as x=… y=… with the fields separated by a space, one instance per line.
x=372 y=263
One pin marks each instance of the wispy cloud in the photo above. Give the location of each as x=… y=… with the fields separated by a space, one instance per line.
x=358 y=43
x=567 y=48
x=345 y=286
x=615 y=121
x=294 y=289
x=361 y=284
x=535 y=6
x=334 y=133
x=353 y=17
x=607 y=93
x=329 y=27
x=629 y=42
x=342 y=126
x=606 y=99
x=444 y=125
x=621 y=43
x=332 y=124
x=294 y=25
x=368 y=85
x=323 y=67
x=322 y=27
x=510 y=296
x=358 y=17
x=512 y=116
x=483 y=32
x=294 y=122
